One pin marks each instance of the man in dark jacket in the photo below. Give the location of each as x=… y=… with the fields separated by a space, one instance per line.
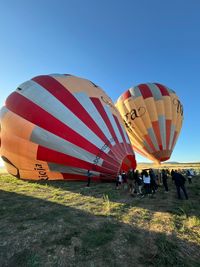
x=153 y=183
x=164 y=180
x=130 y=180
x=89 y=174
x=179 y=181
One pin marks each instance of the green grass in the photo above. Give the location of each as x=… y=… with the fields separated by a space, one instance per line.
x=168 y=253
x=25 y=258
x=63 y=223
x=99 y=236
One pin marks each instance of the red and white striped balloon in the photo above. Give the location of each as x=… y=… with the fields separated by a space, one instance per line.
x=58 y=127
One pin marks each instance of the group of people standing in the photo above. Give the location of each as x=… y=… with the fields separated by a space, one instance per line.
x=148 y=181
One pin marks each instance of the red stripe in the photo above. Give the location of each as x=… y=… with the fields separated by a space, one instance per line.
x=122 y=146
x=163 y=89
x=156 y=129
x=46 y=154
x=67 y=98
x=114 y=154
x=130 y=161
x=133 y=161
x=33 y=113
x=121 y=133
x=128 y=145
x=168 y=130
x=107 y=166
x=130 y=149
x=126 y=95
x=117 y=151
x=145 y=91
x=104 y=116
x=125 y=164
x=149 y=142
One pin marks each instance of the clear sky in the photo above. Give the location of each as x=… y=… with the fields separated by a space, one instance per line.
x=116 y=44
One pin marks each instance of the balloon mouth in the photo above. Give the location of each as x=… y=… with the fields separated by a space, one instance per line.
x=162 y=155
x=11 y=168
x=128 y=163
x=164 y=159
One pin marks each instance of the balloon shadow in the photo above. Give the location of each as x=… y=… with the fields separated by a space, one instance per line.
x=37 y=232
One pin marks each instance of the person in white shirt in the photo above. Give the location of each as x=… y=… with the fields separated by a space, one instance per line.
x=146 y=180
x=118 y=180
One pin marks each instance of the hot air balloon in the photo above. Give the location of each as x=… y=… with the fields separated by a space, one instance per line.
x=59 y=127
x=153 y=116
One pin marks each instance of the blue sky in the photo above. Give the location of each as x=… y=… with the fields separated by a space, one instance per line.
x=116 y=44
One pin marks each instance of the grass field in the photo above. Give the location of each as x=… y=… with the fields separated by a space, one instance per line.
x=66 y=224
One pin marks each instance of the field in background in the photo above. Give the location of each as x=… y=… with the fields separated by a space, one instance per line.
x=175 y=166
x=65 y=224
x=2 y=170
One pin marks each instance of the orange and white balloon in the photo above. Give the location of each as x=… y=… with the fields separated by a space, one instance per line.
x=153 y=116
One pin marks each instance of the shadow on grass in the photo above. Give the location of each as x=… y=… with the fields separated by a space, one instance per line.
x=35 y=232
x=164 y=202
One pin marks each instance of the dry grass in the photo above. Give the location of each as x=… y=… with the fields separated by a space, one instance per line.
x=66 y=224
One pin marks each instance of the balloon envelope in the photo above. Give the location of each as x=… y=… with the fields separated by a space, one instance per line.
x=153 y=115
x=60 y=126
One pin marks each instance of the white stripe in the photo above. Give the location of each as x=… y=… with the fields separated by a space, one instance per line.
x=71 y=170
x=52 y=105
x=125 y=134
x=54 y=142
x=3 y=111
x=153 y=138
x=171 y=135
x=91 y=109
x=114 y=125
x=146 y=145
x=162 y=127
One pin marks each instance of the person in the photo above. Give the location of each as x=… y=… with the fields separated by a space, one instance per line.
x=189 y=174
x=153 y=184
x=164 y=180
x=124 y=179
x=158 y=177
x=89 y=174
x=146 y=180
x=130 y=179
x=172 y=173
x=179 y=181
x=138 y=182
x=118 y=180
